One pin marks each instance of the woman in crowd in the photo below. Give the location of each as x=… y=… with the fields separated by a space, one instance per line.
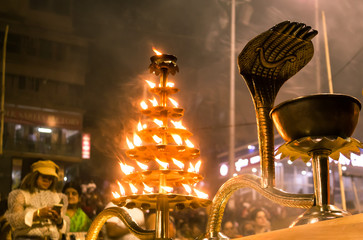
x=80 y=222
x=36 y=210
x=261 y=223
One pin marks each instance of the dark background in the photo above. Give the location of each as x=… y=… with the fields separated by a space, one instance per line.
x=122 y=34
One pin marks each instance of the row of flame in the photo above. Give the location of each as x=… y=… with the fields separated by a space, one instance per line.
x=127 y=169
x=177 y=124
x=153 y=101
x=149 y=190
x=138 y=142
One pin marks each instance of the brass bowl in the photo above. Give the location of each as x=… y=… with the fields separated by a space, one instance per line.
x=316 y=115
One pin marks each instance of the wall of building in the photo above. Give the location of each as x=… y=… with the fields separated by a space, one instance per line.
x=46 y=66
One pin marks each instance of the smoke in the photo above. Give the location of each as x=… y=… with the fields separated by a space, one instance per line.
x=122 y=34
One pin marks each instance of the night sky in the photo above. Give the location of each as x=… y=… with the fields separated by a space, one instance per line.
x=122 y=34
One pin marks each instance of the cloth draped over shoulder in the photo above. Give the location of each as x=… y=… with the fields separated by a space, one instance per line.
x=135 y=213
x=80 y=222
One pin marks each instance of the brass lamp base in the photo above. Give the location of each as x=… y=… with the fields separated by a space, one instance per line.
x=319 y=213
x=318 y=127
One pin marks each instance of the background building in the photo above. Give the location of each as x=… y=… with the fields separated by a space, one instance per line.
x=46 y=65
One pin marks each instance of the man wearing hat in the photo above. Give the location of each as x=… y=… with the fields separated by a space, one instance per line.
x=37 y=210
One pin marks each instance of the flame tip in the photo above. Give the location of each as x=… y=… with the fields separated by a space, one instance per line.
x=157 y=52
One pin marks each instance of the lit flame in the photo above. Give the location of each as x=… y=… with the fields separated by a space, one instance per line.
x=197 y=166
x=191 y=168
x=139 y=127
x=187 y=188
x=133 y=188
x=175 y=103
x=178 y=163
x=164 y=165
x=142 y=166
x=170 y=84
x=144 y=105
x=147 y=188
x=122 y=190
x=178 y=125
x=116 y=195
x=200 y=194
x=158 y=122
x=126 y=168
x=167 y=189
x=177 y=139
x=137 y=140
x=154 y=102
x=129 y=143
x=151 y=84
x=144 y=126
x=157 y=139
x=157 y=52
x=189 y=143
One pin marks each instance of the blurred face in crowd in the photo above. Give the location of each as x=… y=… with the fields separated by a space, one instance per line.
x=72 y=194
x=228 y=229
x=44 y=181
x=248 y=229
x=261 y=219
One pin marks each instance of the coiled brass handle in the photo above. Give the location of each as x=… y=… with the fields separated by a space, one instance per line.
x=251 y=181
x=123 y=215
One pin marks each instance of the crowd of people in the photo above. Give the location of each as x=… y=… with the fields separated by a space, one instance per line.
x=243 y=216
x=37 y=210
x=249 y=216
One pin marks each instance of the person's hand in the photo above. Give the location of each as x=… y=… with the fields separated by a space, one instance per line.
x=57 y=218
x=49 y=213
x=45 y=212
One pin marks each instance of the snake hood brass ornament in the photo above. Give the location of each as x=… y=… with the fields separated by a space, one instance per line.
x=265 y=63
x=275 y=56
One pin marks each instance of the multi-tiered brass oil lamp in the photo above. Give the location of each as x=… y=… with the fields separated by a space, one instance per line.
x=167 y=161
